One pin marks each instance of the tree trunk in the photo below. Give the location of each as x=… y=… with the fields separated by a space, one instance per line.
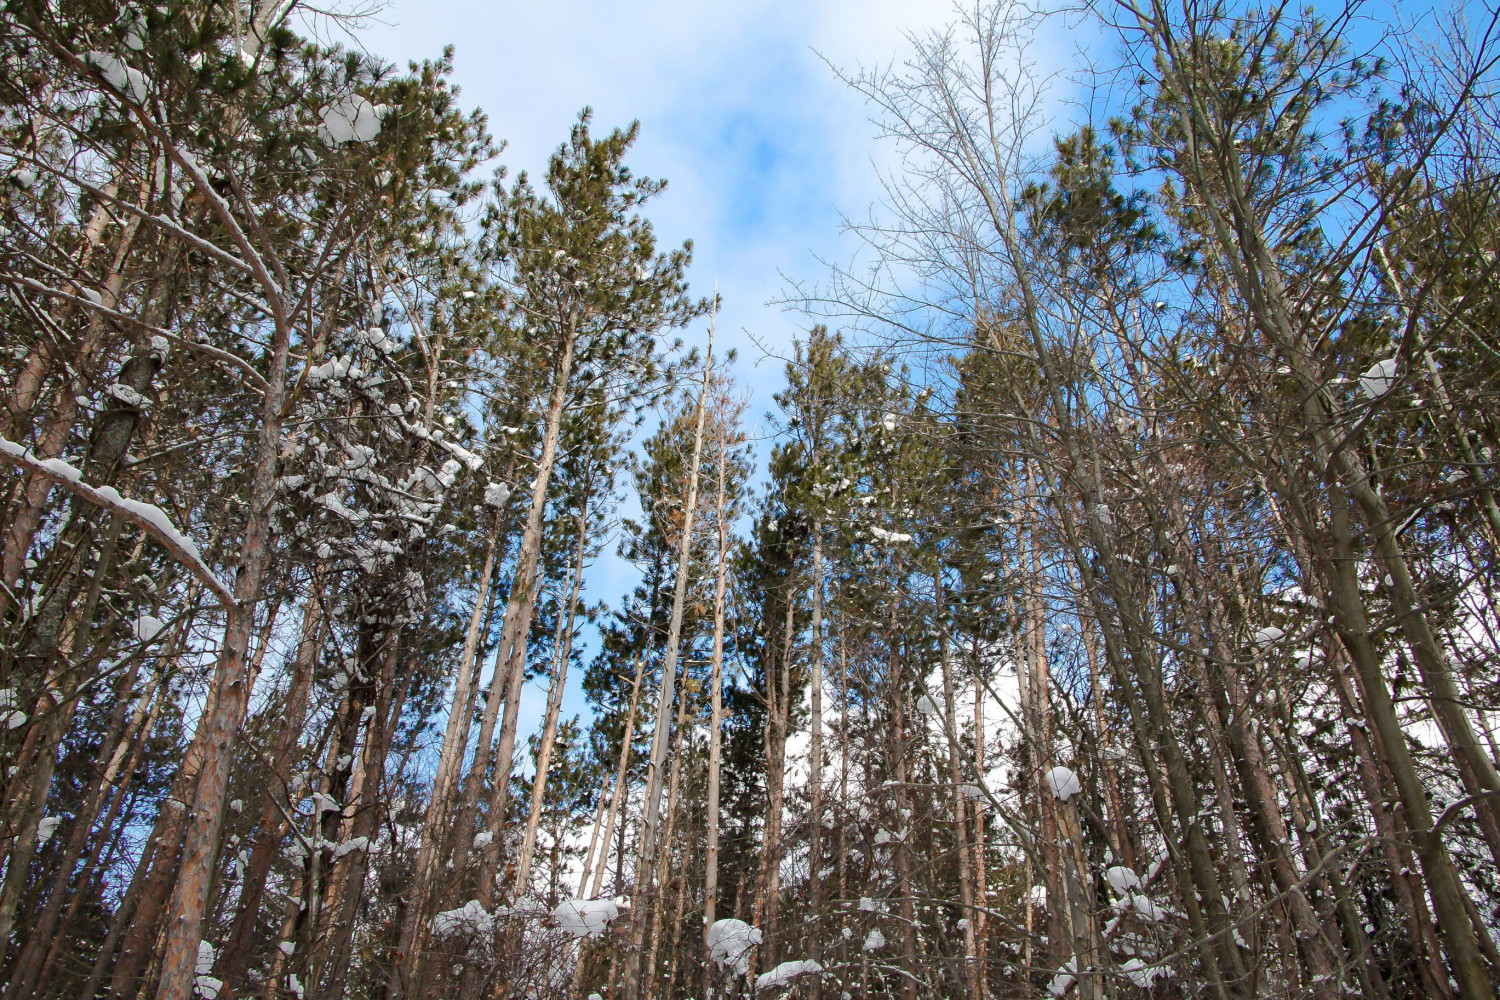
x=956 y=790
x=230 y=691
x=618 y=796
x=716 y=708
x=564 y=651
x=815 y=766
x=411 y=948
x=270 y=825
x=510 y=657
x=630 y=985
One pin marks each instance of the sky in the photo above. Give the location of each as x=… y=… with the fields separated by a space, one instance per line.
x=765 y=149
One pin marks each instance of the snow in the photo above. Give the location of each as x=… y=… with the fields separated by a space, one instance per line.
x=352 y=119
x=287 y=948
x=927 y=707
x=118 y=75
x=729 y=944
x=585 y=917
x=874 y=940
x=1378 y=379
x=326 y=803
x=889 y=537
x=10 y=716
x=146 y=515
x=1064 y=783
x=350 y=846
x=469 y=918
x=46 y=828
x=1144 y=975
x=1065 y=977
x=208 y=987
x=146 y=627
x=1122 y=879
x=1148 y=910
x=495 y=494
x=483 y=840
x=205 y=958
x=785 y=973
x=1268 y=636
x=867 y=904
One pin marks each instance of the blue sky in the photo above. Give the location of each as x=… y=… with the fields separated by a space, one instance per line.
x=764 y=148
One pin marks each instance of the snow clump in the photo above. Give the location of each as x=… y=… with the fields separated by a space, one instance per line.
x=785 y=973
x=495 y=494
x=1063 y=783
x=729 y=944
x=10 y=716
x=146 y=627
x=118 y=75
x=352 y=119
x=1378 y=379
x=1122 y=879
x=1268 y=636
x=1065 y=977
x=469 y=918
x=585 y=917
x=1144 y=975
x=206 y=984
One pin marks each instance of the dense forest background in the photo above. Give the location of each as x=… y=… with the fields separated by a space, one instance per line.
x=1112 y=613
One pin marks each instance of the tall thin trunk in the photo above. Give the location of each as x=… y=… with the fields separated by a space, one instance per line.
x=1237 y=226
x=120 y=801
x=347 y=877
x=510 y=657
x=631 y=980
x=436 y=821
x=229 y=694
x=270 y=826
x=564 y=651
x=600 y=811
x=661 y=876
x=958 y=798
x=815 y=763
x=716 y=703
x=618 y=797
x=128 y=727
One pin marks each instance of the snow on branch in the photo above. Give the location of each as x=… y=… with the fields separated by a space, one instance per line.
x=149 y=517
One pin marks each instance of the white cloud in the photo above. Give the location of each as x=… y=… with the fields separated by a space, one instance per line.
x=762 y=145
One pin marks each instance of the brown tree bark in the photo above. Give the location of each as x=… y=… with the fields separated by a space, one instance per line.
x=563 y=645
x=270 y=826
x=630 y=984
x=716 y=702
x=510 y=656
